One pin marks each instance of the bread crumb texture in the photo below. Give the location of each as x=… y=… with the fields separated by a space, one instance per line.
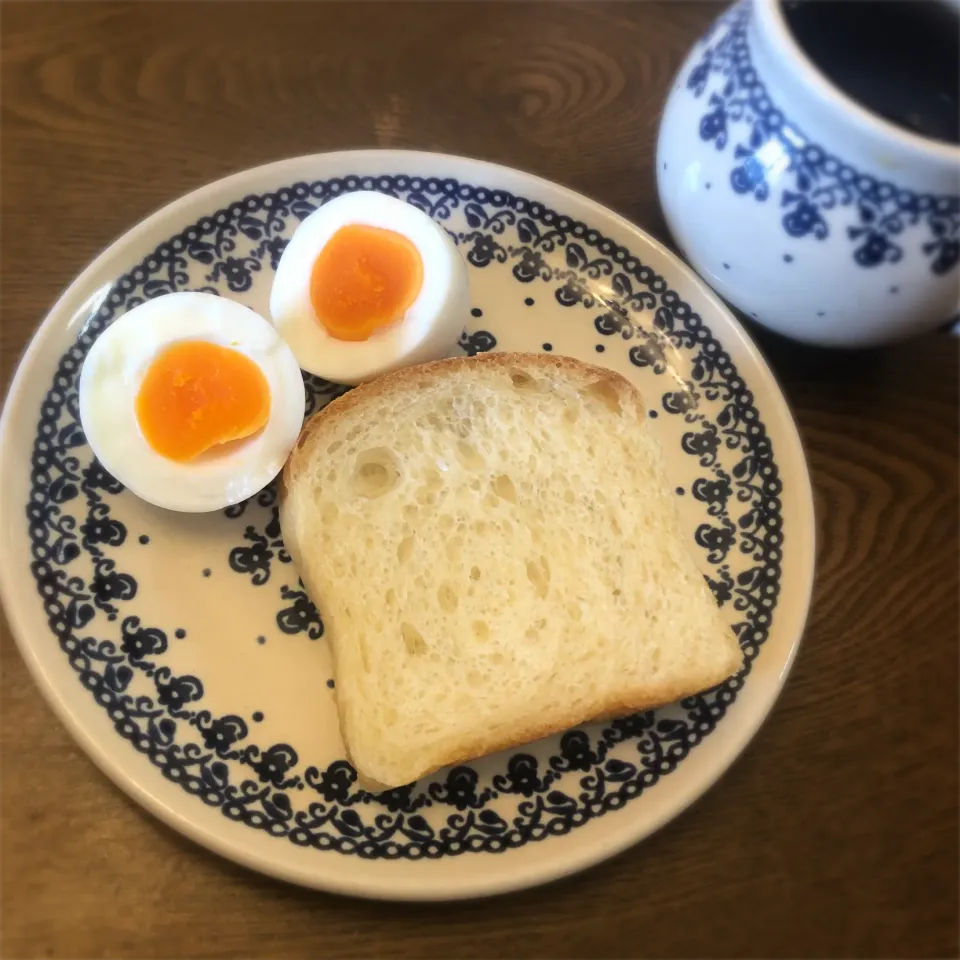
x=497 y=556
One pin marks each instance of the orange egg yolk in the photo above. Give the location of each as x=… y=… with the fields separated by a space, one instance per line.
x=197 y=395
x=364 y=279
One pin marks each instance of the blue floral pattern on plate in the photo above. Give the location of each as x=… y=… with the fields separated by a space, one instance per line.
x=766 y=145
x=79 y=544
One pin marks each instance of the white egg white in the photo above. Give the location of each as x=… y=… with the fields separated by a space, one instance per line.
x=429 y=329
x=111 y=379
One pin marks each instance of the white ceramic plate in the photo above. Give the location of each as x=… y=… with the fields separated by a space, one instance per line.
x=186 y=659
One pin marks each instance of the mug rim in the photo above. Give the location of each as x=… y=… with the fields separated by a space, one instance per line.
x=774 y=24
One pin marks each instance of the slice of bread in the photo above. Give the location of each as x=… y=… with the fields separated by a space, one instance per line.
x=497 y=556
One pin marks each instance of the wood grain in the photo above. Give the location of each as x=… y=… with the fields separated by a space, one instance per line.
x=836 y=833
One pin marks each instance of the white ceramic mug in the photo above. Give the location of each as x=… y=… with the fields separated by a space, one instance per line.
x=814 y=216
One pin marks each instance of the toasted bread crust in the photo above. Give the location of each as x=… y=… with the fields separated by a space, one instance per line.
x=557 y=722
x=399 y=381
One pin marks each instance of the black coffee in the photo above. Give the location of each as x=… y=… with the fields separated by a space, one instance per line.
x=898 y=58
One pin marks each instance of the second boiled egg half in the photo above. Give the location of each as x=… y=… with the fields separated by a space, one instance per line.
x=368 y=284
x=191 y=401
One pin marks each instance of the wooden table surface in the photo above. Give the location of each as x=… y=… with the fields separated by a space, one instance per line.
x=835 y=834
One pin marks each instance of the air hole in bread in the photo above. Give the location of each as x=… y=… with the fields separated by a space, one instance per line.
x=376 y=472
x=538 y=573
x=574 y=611
x=474 y=573
x=329 y=512
x=447 y=598
x=503 y=487
x=481 y=629
x=404 y=549
x=412 y=639
x=432 y=478
x=523 y=381
x=468 y=455
x=572 y=414
x=490 y=500
x=364 y=653
x=607 y=394
x=335 y=446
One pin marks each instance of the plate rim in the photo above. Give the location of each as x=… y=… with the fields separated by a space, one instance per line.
x=114 y=767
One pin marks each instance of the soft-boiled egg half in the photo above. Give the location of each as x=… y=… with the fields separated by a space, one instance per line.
x=193 y=402
x=368 y=284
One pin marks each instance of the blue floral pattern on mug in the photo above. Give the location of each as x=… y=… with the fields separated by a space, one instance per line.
x=767 y=147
